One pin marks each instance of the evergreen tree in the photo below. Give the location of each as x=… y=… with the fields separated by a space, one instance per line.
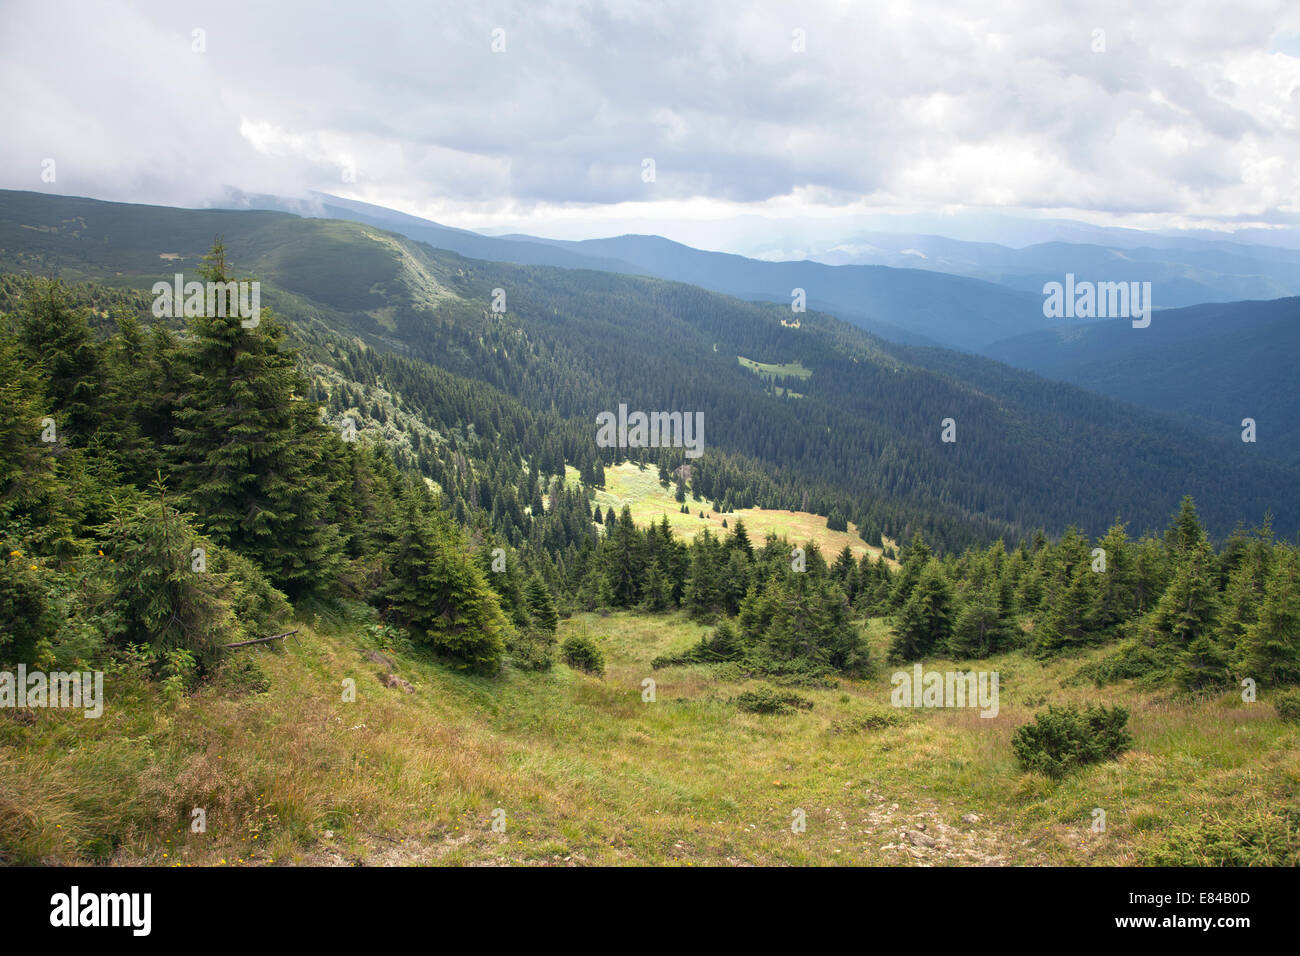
x=1116 y=591
x=1185 y=534
x=541 y=604
x=160 y=598
x=1069 y=619
x=625 y=562
x=925 y=622
x=1182 y=626
x=436 y=589
x=1244 y=592
x=983 y=624
x=703 y=591
x=917 y=556
x=1269 y=650
x=57 y=339
x=249 y=449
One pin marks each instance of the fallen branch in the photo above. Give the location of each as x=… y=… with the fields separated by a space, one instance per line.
x=262 y=640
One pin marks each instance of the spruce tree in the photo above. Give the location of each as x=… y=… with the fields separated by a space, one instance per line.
x=248 y=447
x=438 y=591
x=57 y=339
x=1116 y=592
x=625 y=562
x=918 y=554
x=1244 y=592
x=925 y=622
x=541 y=604
x=1269 y=650
x=1182 y=628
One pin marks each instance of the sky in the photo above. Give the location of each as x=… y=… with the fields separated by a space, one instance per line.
x=764 y=124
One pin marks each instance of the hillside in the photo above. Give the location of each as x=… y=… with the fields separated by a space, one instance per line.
x=1217 y=363
x=588 y=773
x=864 y=436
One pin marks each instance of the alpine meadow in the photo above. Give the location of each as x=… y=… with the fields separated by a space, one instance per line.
x=617 y=434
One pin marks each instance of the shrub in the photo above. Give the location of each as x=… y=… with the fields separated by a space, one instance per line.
x=1063 y=738
x=179 y=673
x=389 y=638
x=259 y=605
x=877 y=718
x=241 y=675
x=161 y=600
x=24 y=609
x=581 y=653
x=530 y=649
x=766 y=699
x=1287 y=705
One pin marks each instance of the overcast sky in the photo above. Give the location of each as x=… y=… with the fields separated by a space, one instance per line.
x=1189 y=116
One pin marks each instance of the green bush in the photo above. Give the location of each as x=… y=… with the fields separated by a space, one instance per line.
x=877 y=718
x=25 y=610
x=1063 y=738
x=1131 y=660
x=581 y=653
x=1287 y=705
x=241 y=675
x=259 y=605
x=530 y=649
x=766 y=699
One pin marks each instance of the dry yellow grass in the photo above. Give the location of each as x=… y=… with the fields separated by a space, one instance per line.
x=649 y=501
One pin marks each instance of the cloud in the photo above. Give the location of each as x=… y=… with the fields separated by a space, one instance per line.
x=1189 y=114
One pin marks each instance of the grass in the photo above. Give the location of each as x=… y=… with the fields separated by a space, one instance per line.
x=774 y=370
x=626 y=484
x=587 y=771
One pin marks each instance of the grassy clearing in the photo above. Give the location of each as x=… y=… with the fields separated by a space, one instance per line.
x=626 y=484
x=774 y=370
x=586 y=771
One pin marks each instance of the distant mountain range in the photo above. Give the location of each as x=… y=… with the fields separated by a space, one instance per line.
x=1181 y=271
x=886 y=282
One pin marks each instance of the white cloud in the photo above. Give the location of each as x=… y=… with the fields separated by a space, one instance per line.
x=1190 y=116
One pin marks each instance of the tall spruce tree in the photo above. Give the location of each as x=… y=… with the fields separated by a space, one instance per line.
x=1182 y=628
x=248 y=447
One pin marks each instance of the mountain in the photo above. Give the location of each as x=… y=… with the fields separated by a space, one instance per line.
x=902 y=305
x=472 y=244
x=1218 y=363
x=898 y=304
x=877 y=280
x=1182 y=271
x=810 y=417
